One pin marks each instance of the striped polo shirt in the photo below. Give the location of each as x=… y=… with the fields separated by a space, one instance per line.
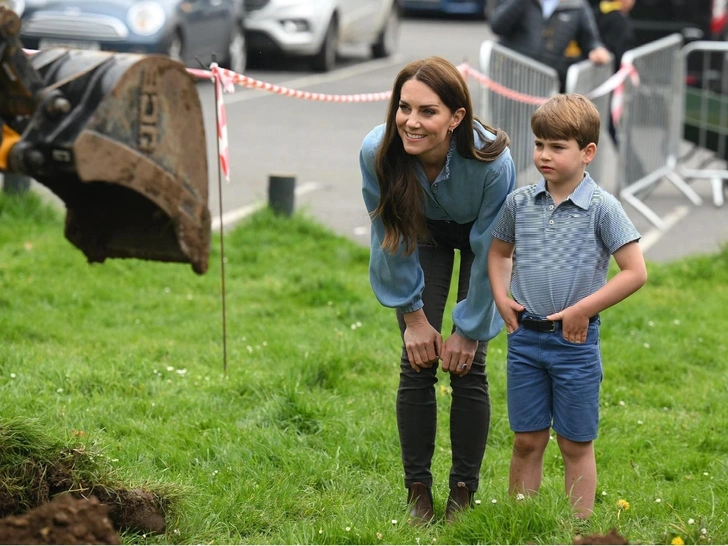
x=561 y=252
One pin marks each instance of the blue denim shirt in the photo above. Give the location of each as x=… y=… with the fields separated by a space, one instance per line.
x=467 y=190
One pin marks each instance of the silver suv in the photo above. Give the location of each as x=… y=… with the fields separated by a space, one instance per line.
x=315 y=28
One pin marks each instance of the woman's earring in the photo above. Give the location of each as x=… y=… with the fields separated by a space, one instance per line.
x=449 y=131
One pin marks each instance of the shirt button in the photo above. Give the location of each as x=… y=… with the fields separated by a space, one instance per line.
x=551 y=221
x=551 y=207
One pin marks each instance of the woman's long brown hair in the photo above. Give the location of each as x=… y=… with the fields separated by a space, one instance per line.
x=402 y=199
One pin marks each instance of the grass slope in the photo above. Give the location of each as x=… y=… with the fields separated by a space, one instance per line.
x=297 y=442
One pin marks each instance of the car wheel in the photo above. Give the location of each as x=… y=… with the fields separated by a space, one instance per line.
x=325 y=59
x=175 y=48
x=236 y=59
x=386 y=44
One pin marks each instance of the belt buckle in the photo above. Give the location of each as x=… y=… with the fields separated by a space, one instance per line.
x=546 y=325
x=539 y=325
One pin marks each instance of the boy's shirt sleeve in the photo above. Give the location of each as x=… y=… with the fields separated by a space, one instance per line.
x=615 y=229
x=476 y=317
x=505 y=225
x=397 y=279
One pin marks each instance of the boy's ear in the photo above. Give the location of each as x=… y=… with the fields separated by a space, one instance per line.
x=590 y=150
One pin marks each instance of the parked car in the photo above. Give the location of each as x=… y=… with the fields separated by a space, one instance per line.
x=183 y=29
x=314 y=29
x=479 y=8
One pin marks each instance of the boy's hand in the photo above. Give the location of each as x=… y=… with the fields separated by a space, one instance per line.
x=600 y=55
x=509 y=309
x=574 y=325
x=457 y=354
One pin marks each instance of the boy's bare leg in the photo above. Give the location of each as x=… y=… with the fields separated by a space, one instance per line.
x=527 y=461
x=580 y=475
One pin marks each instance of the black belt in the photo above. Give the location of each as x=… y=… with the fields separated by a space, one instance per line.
x=543 y=325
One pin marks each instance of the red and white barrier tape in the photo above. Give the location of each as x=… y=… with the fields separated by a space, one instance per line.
x=225 y=79
x=252 y=83
x=617 y=105
x=222 y=81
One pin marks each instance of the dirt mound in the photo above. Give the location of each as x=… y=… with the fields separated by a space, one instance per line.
x=136 y=510
x=612 y=537
x=65 y=520
x=33 y=484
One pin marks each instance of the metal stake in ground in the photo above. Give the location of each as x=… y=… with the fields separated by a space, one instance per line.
x=217 y=82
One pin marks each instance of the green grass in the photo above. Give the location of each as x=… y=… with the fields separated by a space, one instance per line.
x=297 y=442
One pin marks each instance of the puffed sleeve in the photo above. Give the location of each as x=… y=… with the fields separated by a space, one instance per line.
x=397 y=279
x=476 y=317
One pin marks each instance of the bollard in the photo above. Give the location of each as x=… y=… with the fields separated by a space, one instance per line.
x=281 y=193
x=15 y=184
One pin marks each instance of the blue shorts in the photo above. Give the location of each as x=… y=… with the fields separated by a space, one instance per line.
x=554 y=383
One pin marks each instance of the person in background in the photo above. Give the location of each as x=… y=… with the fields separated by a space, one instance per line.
x=617 y=33
x=557 y=33
x=563 y=231
x=433 y=180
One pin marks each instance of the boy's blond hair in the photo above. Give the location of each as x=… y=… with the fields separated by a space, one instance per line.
x=567 y=116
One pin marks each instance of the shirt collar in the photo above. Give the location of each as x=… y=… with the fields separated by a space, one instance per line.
x=582 y=194
x=548 y=7
x=444 y=174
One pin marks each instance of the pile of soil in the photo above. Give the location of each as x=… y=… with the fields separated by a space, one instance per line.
x=65 y=520
x=35 y=485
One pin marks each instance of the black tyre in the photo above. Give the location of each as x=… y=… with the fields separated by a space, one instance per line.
x=325 y=59
x=388 y=40
x=237 y=55
x=175 y=47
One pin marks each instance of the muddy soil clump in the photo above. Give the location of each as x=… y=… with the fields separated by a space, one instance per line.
x=64 y=520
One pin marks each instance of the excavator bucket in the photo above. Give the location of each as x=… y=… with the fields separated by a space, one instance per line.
x=120 y=139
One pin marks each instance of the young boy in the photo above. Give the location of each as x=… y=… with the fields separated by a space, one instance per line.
x=563 y=231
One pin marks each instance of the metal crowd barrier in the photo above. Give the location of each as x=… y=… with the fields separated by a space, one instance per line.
x=583 y=78
x=649 y=129
x=507 y=110
x=705 y=113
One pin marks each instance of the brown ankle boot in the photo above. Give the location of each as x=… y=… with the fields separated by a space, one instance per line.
x=461 y=498
x=419 y=498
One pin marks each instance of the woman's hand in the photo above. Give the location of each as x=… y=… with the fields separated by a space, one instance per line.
x=422 y=341
x=457 y=354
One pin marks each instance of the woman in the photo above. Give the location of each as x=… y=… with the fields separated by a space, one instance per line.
x=434 y=180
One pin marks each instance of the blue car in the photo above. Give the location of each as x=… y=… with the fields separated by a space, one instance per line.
x=453 y=7
x=183 y=29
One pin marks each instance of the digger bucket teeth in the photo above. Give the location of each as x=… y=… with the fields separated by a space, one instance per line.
x=120 y=139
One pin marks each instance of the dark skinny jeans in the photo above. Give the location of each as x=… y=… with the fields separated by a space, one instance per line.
x=416 y=396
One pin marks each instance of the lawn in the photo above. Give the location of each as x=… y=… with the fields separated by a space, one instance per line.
x=295 y=442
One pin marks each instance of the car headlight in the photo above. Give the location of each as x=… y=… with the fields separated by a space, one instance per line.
x=18 y=6
x=145 y=18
